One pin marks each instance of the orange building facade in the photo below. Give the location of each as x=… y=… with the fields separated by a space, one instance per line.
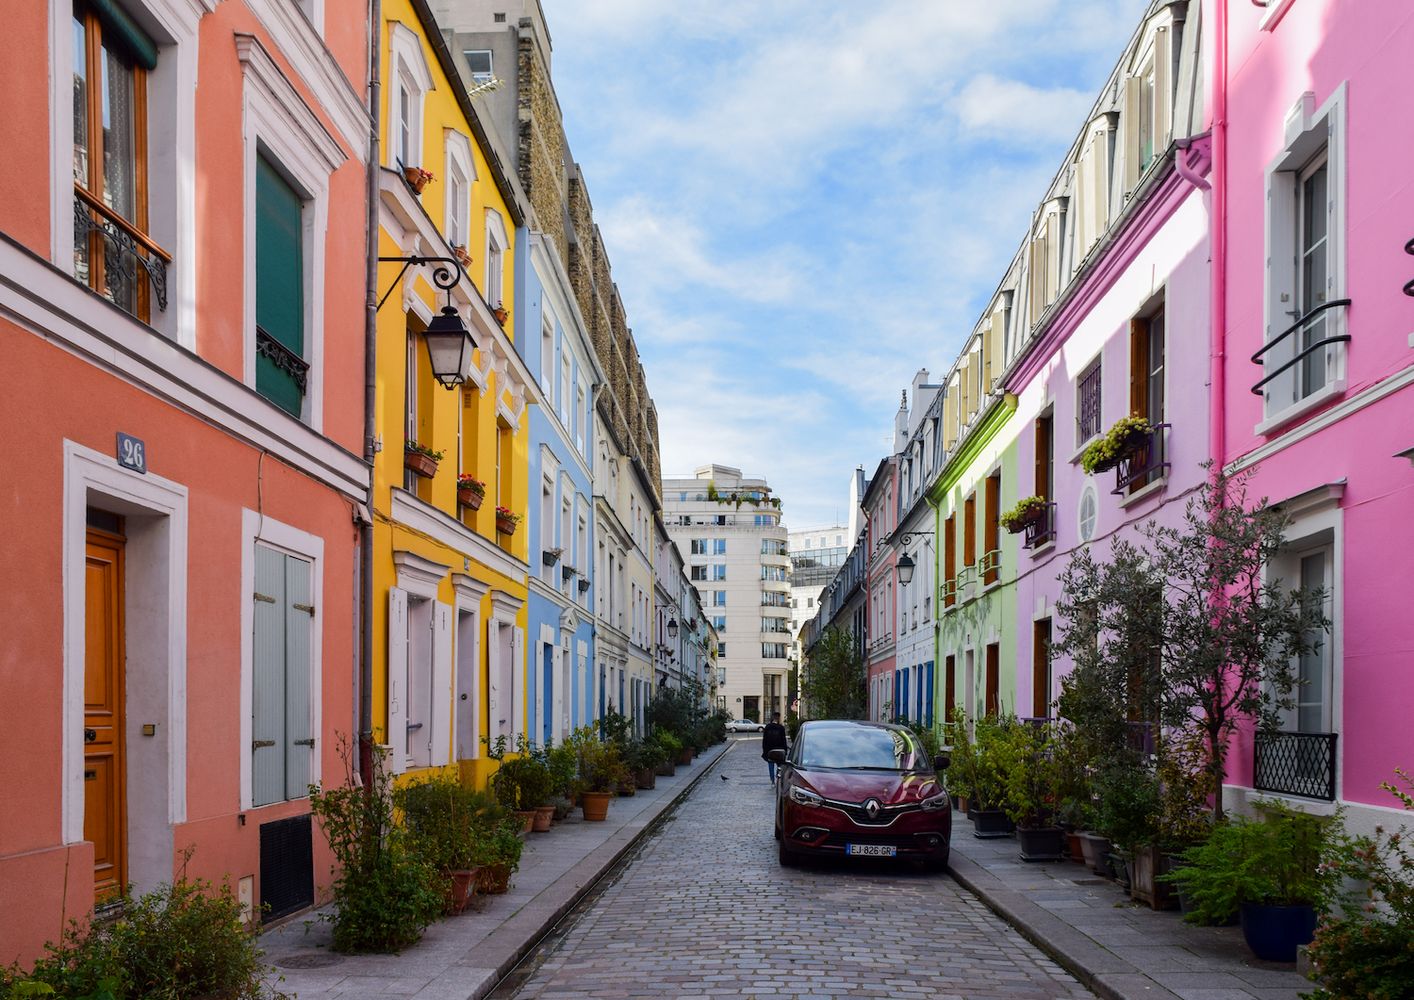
x=181 y=325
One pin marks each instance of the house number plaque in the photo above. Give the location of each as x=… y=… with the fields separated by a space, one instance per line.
x=132 y=453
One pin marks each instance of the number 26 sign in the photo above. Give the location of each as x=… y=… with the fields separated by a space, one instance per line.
x=132 y=453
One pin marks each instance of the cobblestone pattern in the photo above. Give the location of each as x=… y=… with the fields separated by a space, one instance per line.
x=704 y=910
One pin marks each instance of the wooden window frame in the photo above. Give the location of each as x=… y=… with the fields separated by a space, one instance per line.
x=949 y=560
x=969 y=530
x=950 y=686
x=1045 y=437
x=991 y=528
x=992 y=698
x=1041 y=668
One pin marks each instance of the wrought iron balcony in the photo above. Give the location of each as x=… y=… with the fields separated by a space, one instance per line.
x=1304 y=352
x=1295 y=764
x=127 y=256
x=1138 y=468
x=1041 y=530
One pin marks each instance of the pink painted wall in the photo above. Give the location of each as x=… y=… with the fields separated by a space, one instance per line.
x=1316 y=46
x=881 y=510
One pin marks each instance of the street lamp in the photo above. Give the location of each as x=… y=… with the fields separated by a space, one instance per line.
x=449 y=343
x=672 y=628
x=905 y=564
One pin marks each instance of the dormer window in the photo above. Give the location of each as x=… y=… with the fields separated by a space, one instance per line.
x=1148 y=101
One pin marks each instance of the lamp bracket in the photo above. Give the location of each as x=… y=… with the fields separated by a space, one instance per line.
x=904 y=538
x=444 y=277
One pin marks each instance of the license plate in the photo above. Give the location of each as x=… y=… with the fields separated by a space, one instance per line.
x=871 y=850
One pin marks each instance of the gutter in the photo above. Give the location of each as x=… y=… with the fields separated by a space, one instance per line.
x=370 y=387
x=1217 y=347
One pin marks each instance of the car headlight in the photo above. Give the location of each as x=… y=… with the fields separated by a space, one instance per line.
x=804 y=797
x=934 y=803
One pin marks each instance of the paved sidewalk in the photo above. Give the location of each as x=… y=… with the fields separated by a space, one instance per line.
x=463 y=957
x=1119 y=948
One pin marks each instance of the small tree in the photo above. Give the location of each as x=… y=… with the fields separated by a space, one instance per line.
x=1185 y=627
x=832 y=679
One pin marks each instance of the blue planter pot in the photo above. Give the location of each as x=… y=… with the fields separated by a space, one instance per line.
x=1275 y=932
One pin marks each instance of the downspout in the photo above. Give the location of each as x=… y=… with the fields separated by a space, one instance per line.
x=370 y=385
x=1217 y=442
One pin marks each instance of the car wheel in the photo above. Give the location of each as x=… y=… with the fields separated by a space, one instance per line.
x=788 y=857
x=778 y=824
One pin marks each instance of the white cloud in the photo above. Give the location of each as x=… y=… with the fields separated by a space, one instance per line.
x=1019 y=112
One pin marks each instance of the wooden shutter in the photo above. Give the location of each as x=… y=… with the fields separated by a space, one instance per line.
x=993 y=690
x=267 y=772
x=1163 y=89
x=1043 y=453
x=950 y=557
x=1133 y=94
x=969 y=530
x=965 y=401
x=991 y=540
x=397 y=679
x=928 y=699
x=950 y=687
x=985 y=344
x=1041 y=668
x=1139 y=367
x=279 y=282
x=440 y=721
x=997 y=332
x=299 y=718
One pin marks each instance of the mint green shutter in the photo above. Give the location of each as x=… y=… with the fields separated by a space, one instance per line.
x=279 y=282
x=283 y=744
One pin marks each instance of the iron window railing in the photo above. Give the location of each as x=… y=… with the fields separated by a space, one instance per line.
x=1041 y=530
x=1295 y=764
x=1138 y=467
x=1309 y=349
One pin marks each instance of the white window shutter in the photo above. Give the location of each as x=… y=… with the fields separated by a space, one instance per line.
x=397 y=679
x=1100 y=176
x=267 y=749
x=517 y=670
x=300 y=741
x=1163 y=89
x=1130 y=121
x=440 y=722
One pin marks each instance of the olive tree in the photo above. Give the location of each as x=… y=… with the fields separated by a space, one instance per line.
x=832 y=679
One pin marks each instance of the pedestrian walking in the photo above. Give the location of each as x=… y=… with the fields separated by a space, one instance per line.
x=773 y=737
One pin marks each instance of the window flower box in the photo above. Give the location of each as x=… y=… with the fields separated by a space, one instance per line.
x=506 y=521
x=470 y=491
x=550 y=556
x=417 y=178
x=421 y=460
x=1128 y=435
x=1027 y=512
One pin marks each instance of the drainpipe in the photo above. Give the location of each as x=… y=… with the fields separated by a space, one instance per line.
x=370 y=385
x=1218 y=333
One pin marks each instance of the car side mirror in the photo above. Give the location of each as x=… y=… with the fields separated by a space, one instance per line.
x=776 y=756
x=941 y=761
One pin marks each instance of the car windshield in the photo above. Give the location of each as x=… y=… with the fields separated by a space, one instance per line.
x=870 y=748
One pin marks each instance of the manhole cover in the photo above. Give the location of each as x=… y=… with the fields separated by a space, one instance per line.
x=307 y=961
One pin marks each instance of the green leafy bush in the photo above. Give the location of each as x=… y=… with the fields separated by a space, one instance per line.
x=1128 y=811
x=601 y=766
x=182 y=941
x=1021 y=513
x=962 y=771
x=444 y=820
x=672 y=746
x=1028 y=774
x=499 y=845
x=385 y=892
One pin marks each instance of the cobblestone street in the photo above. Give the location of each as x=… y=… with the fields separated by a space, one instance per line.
x=703 y=909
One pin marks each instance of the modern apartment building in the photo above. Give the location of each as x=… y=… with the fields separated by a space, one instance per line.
x=729 y=530
x=816 y=555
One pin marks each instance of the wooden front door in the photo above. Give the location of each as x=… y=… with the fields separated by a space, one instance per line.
x=104 y=767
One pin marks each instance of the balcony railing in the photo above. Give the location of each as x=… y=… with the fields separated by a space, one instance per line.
x=134 y=269
x=1306 y=351
x=1295 y=764
x=1139 y=466
x=1042 y=530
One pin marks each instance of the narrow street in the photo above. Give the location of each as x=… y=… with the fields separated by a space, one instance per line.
x=703 y=909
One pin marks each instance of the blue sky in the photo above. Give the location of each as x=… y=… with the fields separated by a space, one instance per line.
x=805 y=201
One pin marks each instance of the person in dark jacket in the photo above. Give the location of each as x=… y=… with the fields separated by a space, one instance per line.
x=773 y=737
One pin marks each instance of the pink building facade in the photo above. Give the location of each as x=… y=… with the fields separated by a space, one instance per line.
x=879 y=504
x=1319 y=209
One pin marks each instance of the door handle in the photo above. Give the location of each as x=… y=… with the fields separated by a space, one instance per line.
x=305 y=743
x=90 y=776
x=257 y=744
x=90 y=735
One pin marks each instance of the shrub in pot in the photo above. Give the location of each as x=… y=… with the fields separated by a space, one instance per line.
x=641 y=758
x=1128 y=812
x=1185 y=820
x=963 y=752
x=671 y=749
x=442 y=819
x=601 y=771
x=563 y=764
x=1028 y=790
x=1274 y=870
x=497 y=855
x=991 y=757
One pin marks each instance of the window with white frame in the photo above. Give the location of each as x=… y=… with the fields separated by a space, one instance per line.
x=411 y=80
x=1303 y=357
x=547 y=351
x=1045 y=255
x=580 y=415
x=1148 y=100
x=496 y=246
x=564 y=396
x=547 y=526
x=566 y=531
x=460 y=172
x=1087 y=403
x=1091 y=191
x=479 y=64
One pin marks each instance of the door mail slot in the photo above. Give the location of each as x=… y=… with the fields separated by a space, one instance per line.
x=90 y=776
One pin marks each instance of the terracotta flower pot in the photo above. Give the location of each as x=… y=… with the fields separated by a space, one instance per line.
x=667 y=769
x=527 y=819
x=685 y=756
x=420 y=464
x=544 y=816
x=470 y=498
x=417 y=179
x=596 y=806
x=1077 y=852
x=505 y=525
x=461 y=886
x=463 y=258
x=492 y=880
x=502 y=314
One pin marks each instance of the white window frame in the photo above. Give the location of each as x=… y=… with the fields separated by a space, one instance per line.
x=497 y=245
x=409 y=70
x=459 y=166
x=1310 y=131
x=480 y=78
x=171 y=150
x=1154 y=58
x=466 y=727
x=1091 y=189
x=547 y=351
x=276 y=118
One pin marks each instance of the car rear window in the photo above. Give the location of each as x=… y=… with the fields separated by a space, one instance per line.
x=863 y=748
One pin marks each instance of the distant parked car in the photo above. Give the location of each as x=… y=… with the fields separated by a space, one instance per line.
x=745 y=726
x=861 y=789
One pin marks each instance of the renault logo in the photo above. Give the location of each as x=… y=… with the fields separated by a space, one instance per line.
x=871 y=808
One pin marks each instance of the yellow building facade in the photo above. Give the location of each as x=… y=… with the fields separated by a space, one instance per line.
x=449 y=580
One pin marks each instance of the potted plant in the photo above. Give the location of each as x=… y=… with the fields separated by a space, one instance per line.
x=671 y=748
x=641 y=757
x=442 y=817
x=1126 y=436
x=1274 y=870
x=498 y=848
x=601 y=771
x=1029 y=791
x=462 y=255
x=1026 y=512
x=563 y=764
x=501 y=313
x=1184 y=820
x=417 y=178
x=470 y=491
x=420 y=459
x=1128 y=812
x=990 y=759
x=506 y=520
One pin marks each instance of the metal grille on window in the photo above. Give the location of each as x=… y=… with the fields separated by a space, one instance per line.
x=1088 y=403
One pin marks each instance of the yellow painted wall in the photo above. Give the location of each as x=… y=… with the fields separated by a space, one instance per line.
x=441 y=411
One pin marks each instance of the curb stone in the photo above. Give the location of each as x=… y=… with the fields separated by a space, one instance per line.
x=1108 y=975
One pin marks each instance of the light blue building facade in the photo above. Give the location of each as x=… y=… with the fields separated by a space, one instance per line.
x=552 y=338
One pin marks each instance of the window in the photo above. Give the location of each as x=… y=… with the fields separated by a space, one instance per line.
x=1041 y=668
x=969 y=530
x=699 y=546
x=547 y=352
x=719 y=546
x=949 y=560
x=949 y=687
x=547 y=522
x=279 y=289
x=1045 y=256
x=1092 y=184
x=773 y=650
x=503 y=464
x=282 y=730
x=991 y=536
x=721 y=649
x=113 y=253
x=1147 y=106
x=1087 y=404
x=699 y=573
x=419 y=680
x=410 y=79
x=1045 y=456
x=496 y=246
x=581 y=416
x=564 y=399
x=1088 y=512
x=719 y=571
x=460 y=172
x=992 y=691
x=719 y=598
x=478 y=63
x=719 y=622
x=1146 y=384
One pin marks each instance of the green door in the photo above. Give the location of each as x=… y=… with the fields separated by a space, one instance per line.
x=279 y=290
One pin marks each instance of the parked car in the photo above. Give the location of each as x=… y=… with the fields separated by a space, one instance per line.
x=745 y=726
x=861 y=789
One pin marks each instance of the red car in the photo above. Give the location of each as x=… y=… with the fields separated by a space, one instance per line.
x=861 y=789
